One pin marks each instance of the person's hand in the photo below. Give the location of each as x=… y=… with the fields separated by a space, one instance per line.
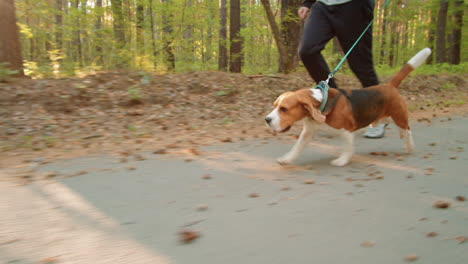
x=303 y=12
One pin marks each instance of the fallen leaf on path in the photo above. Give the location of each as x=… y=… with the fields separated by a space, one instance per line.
x=49 y=260
x=367 y=244
x=202 y=207
x=441 y=204
x=188 y=236
x=160 y=151
x=411 y=258
x=194 y=152
x=207 y=176
x=139 y=157
x=461 y=239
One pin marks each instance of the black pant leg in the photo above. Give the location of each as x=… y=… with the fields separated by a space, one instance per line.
x=349 y=21
x=317 y=32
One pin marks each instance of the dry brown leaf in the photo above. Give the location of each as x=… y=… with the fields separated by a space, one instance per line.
x=411 y=258
x=187 y=236
x=441 y=204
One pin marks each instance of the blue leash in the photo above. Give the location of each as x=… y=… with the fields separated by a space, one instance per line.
x=323 y=85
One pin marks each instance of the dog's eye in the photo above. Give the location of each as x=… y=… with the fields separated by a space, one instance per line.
x=283 y=109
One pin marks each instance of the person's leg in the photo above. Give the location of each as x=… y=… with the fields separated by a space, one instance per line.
x=317 y=32
x=349 y=21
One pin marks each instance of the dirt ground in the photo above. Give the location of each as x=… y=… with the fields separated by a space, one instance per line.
x=121 y=112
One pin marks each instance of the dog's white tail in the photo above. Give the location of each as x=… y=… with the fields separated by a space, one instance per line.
x=412 y=64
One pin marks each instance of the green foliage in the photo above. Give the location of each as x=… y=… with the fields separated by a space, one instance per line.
x=385 y=70
x=134 y=93
x=66 y=38
x=442 y=68
x=5 y=72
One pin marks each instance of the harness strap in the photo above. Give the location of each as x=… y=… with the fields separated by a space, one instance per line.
x=331 y=104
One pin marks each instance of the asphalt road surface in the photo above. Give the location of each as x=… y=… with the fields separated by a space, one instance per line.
x=246 y=208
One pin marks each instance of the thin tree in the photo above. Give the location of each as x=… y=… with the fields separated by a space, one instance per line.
x=456 y=35
x=153 y=32
x=235 y=64
x=140 y=26
x=222 y=46
x=441 y=54
x=99 y=36
x=285 y=63
x=383 y=34
x=432 y=31
x=291 y=30
x=118 y=22
x=10 y=50
x=59 y=23
x=168 y=38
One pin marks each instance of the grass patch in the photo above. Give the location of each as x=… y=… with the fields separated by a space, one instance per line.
x=427 y=69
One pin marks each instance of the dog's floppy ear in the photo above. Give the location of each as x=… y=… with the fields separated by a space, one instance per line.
x=307 y=102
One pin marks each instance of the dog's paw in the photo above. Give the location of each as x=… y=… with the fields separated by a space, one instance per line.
x=409 y=149
x=409 y=146
x=340 y=162
x=283 y=160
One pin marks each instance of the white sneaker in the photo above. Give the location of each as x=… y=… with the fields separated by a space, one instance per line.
x=377 y=131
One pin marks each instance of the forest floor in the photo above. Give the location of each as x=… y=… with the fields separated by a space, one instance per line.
x=124 y=112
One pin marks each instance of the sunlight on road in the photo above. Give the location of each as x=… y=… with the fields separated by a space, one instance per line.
x=48 y=220
x=261 y=167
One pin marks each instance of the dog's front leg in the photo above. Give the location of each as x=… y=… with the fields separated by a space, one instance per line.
x=348 y=150
x=305 y=137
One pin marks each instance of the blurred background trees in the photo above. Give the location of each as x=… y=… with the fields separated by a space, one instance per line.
x=68 y=37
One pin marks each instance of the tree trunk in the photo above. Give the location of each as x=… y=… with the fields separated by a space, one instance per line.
x=283 y=51
x=432 y=34
x=10 y=50
x=58 y=24
x=168 y=39
x=291 y=30
x=383 y=36
x=441 y=54
x=140 y=23
x=118 y=22
x=392 y=54
x=76 y=34
x=235 y=64
x=99 y=39
x=153 y=33
x=456 y=35
x=223 y=52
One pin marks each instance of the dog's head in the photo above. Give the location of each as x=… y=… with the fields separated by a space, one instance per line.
x=291 y=107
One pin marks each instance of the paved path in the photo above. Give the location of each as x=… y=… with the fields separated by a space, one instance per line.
x=379 y=209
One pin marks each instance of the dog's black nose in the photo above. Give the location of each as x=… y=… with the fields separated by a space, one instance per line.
x=268 y=119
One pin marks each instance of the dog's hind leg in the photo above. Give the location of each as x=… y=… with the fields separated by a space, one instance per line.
x=305 y=137
x=401 y=120
x=348 y=150
x=407 y=137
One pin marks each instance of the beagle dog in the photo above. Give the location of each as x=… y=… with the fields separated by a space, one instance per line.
x=346 y=110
